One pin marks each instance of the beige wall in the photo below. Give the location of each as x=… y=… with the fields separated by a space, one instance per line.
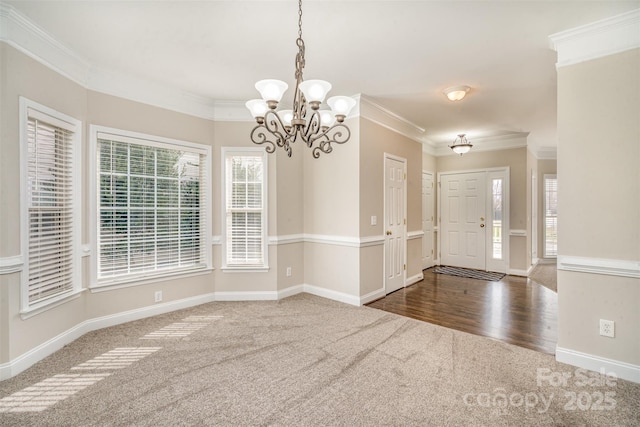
x=24 y=77
x=599 y=202
x=516 y=160
x=429 y=163
x=375 y=142
x=21 y=76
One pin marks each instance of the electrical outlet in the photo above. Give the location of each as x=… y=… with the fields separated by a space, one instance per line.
x=288 y=271
x=158 y=296
x=607 y=328
x=374 y=220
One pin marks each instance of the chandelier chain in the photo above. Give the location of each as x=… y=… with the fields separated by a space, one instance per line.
x=299 y=19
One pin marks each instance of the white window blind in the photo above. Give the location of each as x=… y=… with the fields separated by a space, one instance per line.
x=152 y=208
x=550 y=216
x=51 y=213
x=245 y=208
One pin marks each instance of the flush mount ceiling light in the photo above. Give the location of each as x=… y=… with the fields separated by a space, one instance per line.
x=456 y=93
x=461 y=145
x=282 y=128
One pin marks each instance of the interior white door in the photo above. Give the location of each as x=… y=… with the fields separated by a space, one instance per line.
x=427 y=220
x=463 y=222
x=395 y=223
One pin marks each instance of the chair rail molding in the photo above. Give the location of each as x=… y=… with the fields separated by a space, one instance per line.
x=11 y=264
x=610 y=267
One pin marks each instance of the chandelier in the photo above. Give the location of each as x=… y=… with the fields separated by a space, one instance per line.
x=306 y=121
x=461 y=145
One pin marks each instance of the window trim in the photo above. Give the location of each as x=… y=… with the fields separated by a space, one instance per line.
x=259 y=152
x=159 y=142
x=74 y=125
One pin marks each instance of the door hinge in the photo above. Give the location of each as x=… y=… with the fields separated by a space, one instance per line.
x=405 y=176
x=432 y=252
x=404 y=221
x=405 y=266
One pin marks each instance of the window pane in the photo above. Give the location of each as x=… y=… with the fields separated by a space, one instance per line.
x=496 y=212
x=150 y=218
x=245 y=204
x=550 y=216
x=51 y=216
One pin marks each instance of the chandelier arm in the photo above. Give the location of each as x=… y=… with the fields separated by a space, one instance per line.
x=325 y=141
x=312 y=130
x=274 y=126
x=259 y=137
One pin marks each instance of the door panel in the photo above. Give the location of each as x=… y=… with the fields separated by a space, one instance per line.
x=395 y=239
x=463 y=220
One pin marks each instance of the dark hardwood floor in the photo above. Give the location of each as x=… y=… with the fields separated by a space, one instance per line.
x=514 y=310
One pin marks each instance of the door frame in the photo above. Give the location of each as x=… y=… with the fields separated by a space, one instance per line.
x=385 y=219
x=501 y=266
x=432 y=257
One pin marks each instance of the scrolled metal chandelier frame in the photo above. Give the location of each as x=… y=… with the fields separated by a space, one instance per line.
x=282 y=128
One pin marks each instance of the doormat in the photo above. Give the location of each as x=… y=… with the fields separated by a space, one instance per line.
x=471 y=274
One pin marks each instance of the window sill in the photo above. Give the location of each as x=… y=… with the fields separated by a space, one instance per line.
x=49 y=304
x=245 y=269
x=103 y=286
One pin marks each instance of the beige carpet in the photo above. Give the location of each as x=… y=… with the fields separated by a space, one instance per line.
x=546 y=275
x=304 y=361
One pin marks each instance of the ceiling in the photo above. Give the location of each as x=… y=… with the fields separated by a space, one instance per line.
x=400 y=54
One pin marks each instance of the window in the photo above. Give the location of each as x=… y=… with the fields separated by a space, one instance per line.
x=152 y=206
x=51 y=213
x=550 y=216
x=244 y=177
x=496 y=217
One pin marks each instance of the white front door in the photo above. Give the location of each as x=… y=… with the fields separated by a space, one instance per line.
x=427 y=220
x=463 y=224
x=394 y=222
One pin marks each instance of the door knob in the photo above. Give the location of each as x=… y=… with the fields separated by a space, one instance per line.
x=388 y=233
x=481 y=225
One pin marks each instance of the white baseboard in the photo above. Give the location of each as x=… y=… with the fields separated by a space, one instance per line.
x=290 y=291
x=623 y=370
x=372 y=296
x=26 y=360
x=334 y=295
x=518 y=272
x=287 y=292
x=246 y=296
x=413 y=279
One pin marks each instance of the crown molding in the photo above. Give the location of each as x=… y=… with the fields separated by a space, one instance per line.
x=376 y=113
x=24 y=35
x=21 y=33
x=151 y=93
x=601 y=38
